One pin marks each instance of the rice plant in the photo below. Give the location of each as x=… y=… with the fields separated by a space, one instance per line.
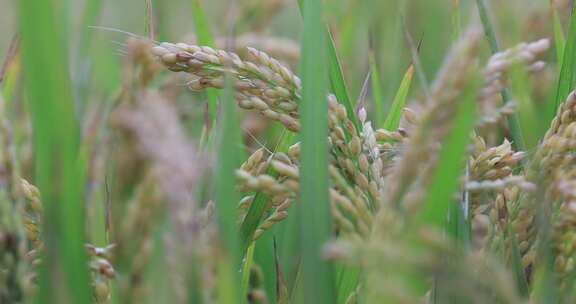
x=284 y=151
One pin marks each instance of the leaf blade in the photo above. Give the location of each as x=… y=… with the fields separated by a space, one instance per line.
x=393 y=118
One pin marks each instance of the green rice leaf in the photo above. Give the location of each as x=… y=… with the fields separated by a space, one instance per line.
x=567 y=74
x=559 y=38
x=201 y=25
x=393 y=118
x=314 y=204
x=246 y=265
x=337 y=82
x=348 y=279
x=58 y=172
x=205 y=37
x=458 y=228
x=227 y=197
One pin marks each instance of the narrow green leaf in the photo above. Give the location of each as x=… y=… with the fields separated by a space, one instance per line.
x=227 y=197
x=206 y=38
x=313 y=208
x=488 y=28
x=559 y=38
x=457 y=228
x=337 y=82
x=567 y=75
x=58 y=174
x=264 y=257
x=348 y=279
x=246 y=265
x=201 y=25
x=252 y=220
x=393 y=118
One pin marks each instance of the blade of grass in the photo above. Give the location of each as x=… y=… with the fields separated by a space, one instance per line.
x=513 y=122
x=337 y=82
x=64 y=274
x=559 y=38
x=201 y=25
x=313 y=210
x=205 y=37
x=488 y=28
x=348 y=279
x=226 y=194
x=264 y=257
x=227 y=197
x=252 y=220
x=289 y=252
x=458 y=228
x=246 y=265
x=567 y=75
x=393 y=118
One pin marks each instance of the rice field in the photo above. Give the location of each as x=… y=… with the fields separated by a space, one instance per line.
x=287 y=151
